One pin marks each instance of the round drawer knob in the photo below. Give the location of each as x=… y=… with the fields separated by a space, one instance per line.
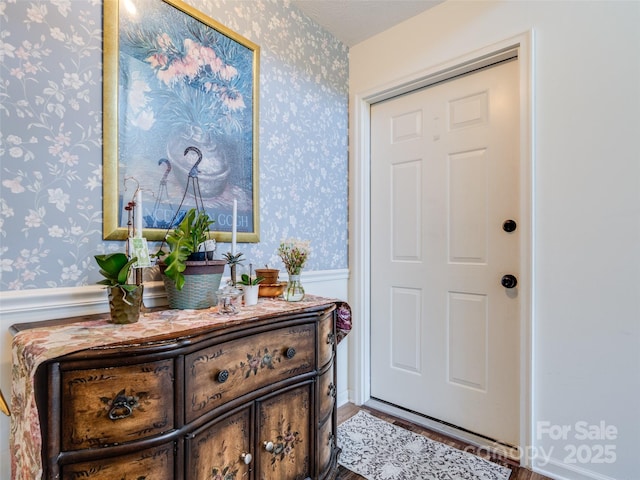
x=291 y=352
x=223 y=376
x=268 y=446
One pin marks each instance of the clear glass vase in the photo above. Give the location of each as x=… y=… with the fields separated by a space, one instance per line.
x=294 y=292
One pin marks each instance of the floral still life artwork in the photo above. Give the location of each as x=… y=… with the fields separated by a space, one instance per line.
x=184 y=82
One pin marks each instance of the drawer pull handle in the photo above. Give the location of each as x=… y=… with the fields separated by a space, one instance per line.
x=331 y=338
x=291 y=352
x=332 y=390
x=223 y=376
x=246 y=458
x=331 y=439
x=268 y=446
x=122 y=407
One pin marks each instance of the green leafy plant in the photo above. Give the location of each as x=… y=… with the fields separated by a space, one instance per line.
x=247 y=280
x=183 y=241
x=115 y=268
x=233 y=260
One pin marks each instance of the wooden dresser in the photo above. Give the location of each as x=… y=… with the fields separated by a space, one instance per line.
x=247 y=397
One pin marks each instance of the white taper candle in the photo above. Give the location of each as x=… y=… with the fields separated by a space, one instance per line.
x=138 y=213
x=234 y=226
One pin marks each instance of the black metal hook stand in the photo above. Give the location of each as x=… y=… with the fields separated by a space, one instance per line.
x=193 y=183
x=162 y=190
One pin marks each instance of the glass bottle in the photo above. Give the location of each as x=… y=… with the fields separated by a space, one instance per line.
x=294 y=292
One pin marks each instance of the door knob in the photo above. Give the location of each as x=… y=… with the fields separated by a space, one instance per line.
x=509 y=281
x=509 y=226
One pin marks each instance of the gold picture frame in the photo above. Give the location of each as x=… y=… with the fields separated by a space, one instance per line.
x=4 y=407
x=176 y=78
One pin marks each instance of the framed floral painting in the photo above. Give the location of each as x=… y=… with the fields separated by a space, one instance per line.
x=174 y=79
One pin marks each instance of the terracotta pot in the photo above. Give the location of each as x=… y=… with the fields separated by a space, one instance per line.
x=270 y=275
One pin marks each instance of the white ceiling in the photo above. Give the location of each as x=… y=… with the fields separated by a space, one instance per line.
x=352 y=21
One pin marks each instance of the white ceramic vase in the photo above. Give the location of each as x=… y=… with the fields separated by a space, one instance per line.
x=250 y=294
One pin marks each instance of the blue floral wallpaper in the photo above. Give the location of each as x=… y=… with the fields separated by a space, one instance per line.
x=51 y=137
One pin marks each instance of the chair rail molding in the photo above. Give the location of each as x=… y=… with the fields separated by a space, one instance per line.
x=52 y=303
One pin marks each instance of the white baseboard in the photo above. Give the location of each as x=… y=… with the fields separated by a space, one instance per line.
x=558 y=470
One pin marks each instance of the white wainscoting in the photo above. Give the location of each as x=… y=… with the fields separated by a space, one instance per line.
x=49 y=304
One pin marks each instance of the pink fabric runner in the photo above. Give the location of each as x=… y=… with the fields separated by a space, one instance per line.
x=34 y=346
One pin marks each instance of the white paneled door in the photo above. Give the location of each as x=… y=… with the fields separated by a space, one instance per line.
x=445 y=251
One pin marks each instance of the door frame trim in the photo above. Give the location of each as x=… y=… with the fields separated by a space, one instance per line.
x=360 y=283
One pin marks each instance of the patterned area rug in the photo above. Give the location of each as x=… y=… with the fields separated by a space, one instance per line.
x=379 y=450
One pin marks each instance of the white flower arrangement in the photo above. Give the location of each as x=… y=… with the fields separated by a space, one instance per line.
x=294 y=254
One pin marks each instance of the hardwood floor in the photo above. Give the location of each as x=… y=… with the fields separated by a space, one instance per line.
x=348 y=410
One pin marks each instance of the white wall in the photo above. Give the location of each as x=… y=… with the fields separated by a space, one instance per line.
x=586 y=204
x=49 y=304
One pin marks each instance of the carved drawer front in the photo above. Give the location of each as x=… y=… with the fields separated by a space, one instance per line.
x=228 y=370
x=326 y=340
x=221 y=450
x=104 y=406
x=326 y=445
x=326 y=394
x=284 y=436
x=150 y=464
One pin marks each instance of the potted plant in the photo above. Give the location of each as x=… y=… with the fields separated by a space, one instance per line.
x=125 y=299
x=250 y=286
x=233 y=260
x=190 y=283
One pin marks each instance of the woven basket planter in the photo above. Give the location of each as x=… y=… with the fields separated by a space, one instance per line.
x=201 y=281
